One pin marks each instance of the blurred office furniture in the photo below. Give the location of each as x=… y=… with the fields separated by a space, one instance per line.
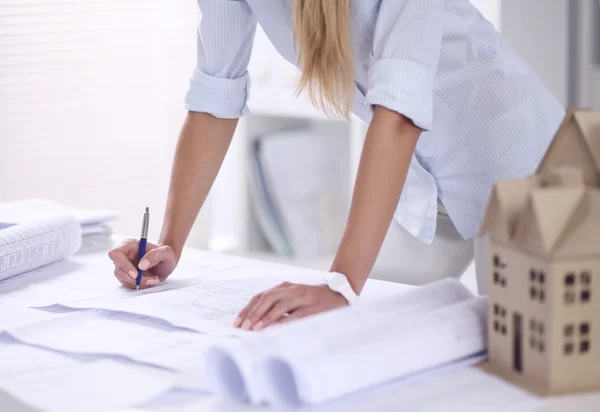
x=300 y=184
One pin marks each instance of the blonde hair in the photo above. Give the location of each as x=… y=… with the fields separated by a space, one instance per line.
x=324 y=48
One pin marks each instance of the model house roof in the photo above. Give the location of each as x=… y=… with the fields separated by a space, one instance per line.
x=577 y=143
x=552 y=214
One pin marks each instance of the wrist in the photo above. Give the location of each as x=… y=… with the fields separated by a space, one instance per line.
x=175 y=247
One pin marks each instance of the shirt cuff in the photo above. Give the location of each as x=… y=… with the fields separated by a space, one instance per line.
x=405 y=87
x=220 y=97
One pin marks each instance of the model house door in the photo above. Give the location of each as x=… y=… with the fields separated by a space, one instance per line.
x=517 y=342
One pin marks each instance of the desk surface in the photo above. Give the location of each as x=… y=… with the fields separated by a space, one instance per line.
x=93 y=252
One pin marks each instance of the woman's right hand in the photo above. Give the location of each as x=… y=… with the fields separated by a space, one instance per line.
x=158 y=263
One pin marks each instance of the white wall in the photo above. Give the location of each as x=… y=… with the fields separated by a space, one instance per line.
x=91 y=101
x=490 y=9
x=538 y=31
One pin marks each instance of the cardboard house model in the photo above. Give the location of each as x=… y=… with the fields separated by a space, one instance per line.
x=544 y=231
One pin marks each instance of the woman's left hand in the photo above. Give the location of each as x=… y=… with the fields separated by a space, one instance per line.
x=287 y=302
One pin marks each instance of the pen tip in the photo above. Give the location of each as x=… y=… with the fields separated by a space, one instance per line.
x=147 y=210
x=137 y=287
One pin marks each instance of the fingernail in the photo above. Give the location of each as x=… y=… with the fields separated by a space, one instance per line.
x=237 y=322
x=246 y=325
x=259 y=325
x=144 y=264
x=152 y=282
x=132 y=274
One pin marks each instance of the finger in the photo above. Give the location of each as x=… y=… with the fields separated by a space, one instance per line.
x=298 y=314
x=264 y=304
x=149 y=281
x=122 y=262
x=244 y=312
x=146 y=281
x=155 y=256
x=280 y=309
x=239 y=320
x=124 y=278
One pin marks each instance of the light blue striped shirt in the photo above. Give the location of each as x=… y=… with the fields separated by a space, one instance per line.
x=485 y=114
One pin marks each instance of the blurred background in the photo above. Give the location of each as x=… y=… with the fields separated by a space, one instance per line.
x=91 y=103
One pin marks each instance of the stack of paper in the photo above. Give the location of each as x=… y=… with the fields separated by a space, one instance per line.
x=30 y=245
x=22 y=211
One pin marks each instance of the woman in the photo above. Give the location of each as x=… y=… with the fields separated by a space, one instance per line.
x=450 y=107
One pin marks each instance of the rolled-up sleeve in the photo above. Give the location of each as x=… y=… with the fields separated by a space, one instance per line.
x=220 y=81
x=406 y=49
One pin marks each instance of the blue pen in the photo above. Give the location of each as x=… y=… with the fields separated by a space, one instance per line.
x=142 y=250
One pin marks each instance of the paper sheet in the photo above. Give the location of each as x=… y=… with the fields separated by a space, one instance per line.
x=77 y=388
x=17 y=359
x=52 y=381
x=87 y=277
x=26 y=210
x=209 y=307
x=37 y=243
x=463 y=389
x=119 y=334
x=36 y=295
x=178 y=400
x=15 y=315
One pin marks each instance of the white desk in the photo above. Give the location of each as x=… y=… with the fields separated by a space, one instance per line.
x=94 y=251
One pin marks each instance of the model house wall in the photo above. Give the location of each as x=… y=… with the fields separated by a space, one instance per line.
x=545 y=261
x=577 y=325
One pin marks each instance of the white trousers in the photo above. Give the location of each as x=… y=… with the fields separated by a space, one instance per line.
x=406 y=259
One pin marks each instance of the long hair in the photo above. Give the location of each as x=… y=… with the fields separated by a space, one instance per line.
x=324 y=48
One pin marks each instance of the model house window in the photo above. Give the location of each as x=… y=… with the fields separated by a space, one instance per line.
x=572 y=281
x=568 y=348
x=499 y=319
x=569 y=330
x=569 y=288
x=537 y=279
x=585 y=296
x=585 y=279
x=499 y=265
x=584 y=337
x=569 y=297
x=577 y=337
x=536 y=333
